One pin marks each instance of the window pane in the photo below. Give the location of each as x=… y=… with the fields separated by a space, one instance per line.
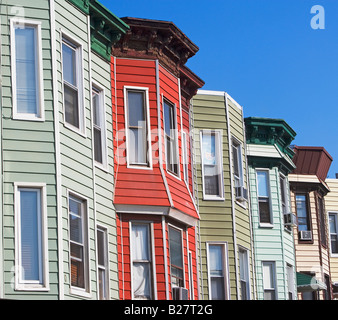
x=96 y=108
x=211 y=180
x=208 y=147
x=136 y=108
x=302 y=213
x=263 y=186
x=102 y=285
x=77 y=266
x=26 y=70
x=30 y=234
x=75 y=217
x=175 y=246
x=268 y=280
x=69 y=64
x=140 y=242
x=269 y=295
x=101 y=247
x=168 y=119
x=217 y=288
x=137 y=145
x=264 y=211
x=332 y=219
x=141 y=280
x=235 y=153
x=216 y=260
x=97 y=145
x=71 y=106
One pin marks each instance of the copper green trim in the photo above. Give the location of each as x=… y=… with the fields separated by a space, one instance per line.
x=83 y=5
x=106 y=29
x=268 y=131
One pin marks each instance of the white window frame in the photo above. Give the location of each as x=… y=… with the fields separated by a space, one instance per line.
x=273 y=270
x=264 y=224
x=245 y=253
x=290 y=280
x=175 y=123
x=219 y=159
x=105 y=267
x=64 y=36
x=85 y=292
x=336 y=221
x=151 y=248
x=43 y=283
x=100 y=91
x=185 y=157
x=182 y=246
x=225 y=268
x=40 y=116
x=235 y=143
x=149 y=164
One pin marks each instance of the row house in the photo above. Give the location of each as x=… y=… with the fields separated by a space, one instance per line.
x=58 y=228
x=157 y=216
x=331 y=206
x=221 y=179
x=269 y=164
x=308 y=191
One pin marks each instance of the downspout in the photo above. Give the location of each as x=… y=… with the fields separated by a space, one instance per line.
x=164 y=180
x=57 y=150
x=2 y=173
x=253 y=268
x=233 y=212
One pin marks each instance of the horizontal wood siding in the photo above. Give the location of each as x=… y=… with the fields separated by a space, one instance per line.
x=28 y=149
x=216 y=216
x=137 y=186
x=331 y=204
x=169 y=90
x=242 y=213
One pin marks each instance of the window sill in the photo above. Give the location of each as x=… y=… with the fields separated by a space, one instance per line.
x=28 y=118
x=266 y=225
x=79 y=292
x=30 y=287
x=75 y=129
x=213 y=198
x=242 y=203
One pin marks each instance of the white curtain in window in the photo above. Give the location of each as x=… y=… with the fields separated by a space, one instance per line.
x=141 y=261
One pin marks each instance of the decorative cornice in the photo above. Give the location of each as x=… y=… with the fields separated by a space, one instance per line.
x=83 y=5
x=269 y=132
x=154 y=39
x=106 y=29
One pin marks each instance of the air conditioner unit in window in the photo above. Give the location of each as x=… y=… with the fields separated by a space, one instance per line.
x=180 y=293
x=290 y=219
x=305 y=235
x=241 y=193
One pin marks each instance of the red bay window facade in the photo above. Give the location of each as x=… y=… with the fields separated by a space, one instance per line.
x=156 y=212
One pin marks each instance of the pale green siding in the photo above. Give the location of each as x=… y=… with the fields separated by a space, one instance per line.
x=79 y=172
x=217 y=225
x=28 y=150
x=273 y=243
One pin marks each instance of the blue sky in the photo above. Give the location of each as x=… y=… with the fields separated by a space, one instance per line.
x=265 y=54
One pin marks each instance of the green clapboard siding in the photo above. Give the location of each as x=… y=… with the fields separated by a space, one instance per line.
x=28 y=150
x=213 y=111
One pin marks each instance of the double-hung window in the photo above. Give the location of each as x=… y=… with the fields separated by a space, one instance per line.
x=176 y=257
x=263 y=188
x=185 y=157
x=170 y=133
x=284 y=199
x=244 y=274
x=27 y=75
x=31 y=237
x=138 y=127
x=269 y=280
x=237 y=163
x=102 y=263
x=333 y=232
x=211 y=165
x=217 y=271
x=99 y=126
x=302 y=212
x=72 y=84
x=291 y=281
x=322 y=224
x=77 y=208
x=141 y=261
